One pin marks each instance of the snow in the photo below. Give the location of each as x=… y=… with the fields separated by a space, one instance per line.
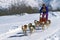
x=11 y=26
x=10 y=21
x=55 y=4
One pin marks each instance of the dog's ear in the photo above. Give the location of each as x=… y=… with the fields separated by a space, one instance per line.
x=35 y=20
x=25 y=26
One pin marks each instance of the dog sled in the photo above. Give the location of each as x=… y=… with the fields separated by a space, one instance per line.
x=37 y=24
x=42 y=21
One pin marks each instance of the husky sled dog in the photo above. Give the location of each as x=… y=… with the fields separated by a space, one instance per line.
x=37 y=23
x=31 y=27
x=24 y=29
x=48 y=22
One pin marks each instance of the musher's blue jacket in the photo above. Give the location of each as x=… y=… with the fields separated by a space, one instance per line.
x=42 y=11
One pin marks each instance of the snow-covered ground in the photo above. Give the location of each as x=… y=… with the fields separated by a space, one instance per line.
x=11 y=26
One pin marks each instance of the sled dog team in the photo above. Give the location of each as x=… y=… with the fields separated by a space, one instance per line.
x=32 y=27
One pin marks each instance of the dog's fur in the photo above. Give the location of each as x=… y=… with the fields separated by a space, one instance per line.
x=24 y=29
x=42 y=24
x=37 y=23
x=31 y=27
x=48 y=23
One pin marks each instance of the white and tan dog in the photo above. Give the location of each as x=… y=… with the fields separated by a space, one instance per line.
x=37 y=23
x=24 y=29
x=31 y=27
x=48 y=22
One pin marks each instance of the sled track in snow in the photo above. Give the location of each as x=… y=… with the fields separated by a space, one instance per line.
x=42 y=35
x=54 y=27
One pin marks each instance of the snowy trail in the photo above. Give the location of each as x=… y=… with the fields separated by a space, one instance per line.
x=54 y=27
x=41 y=35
